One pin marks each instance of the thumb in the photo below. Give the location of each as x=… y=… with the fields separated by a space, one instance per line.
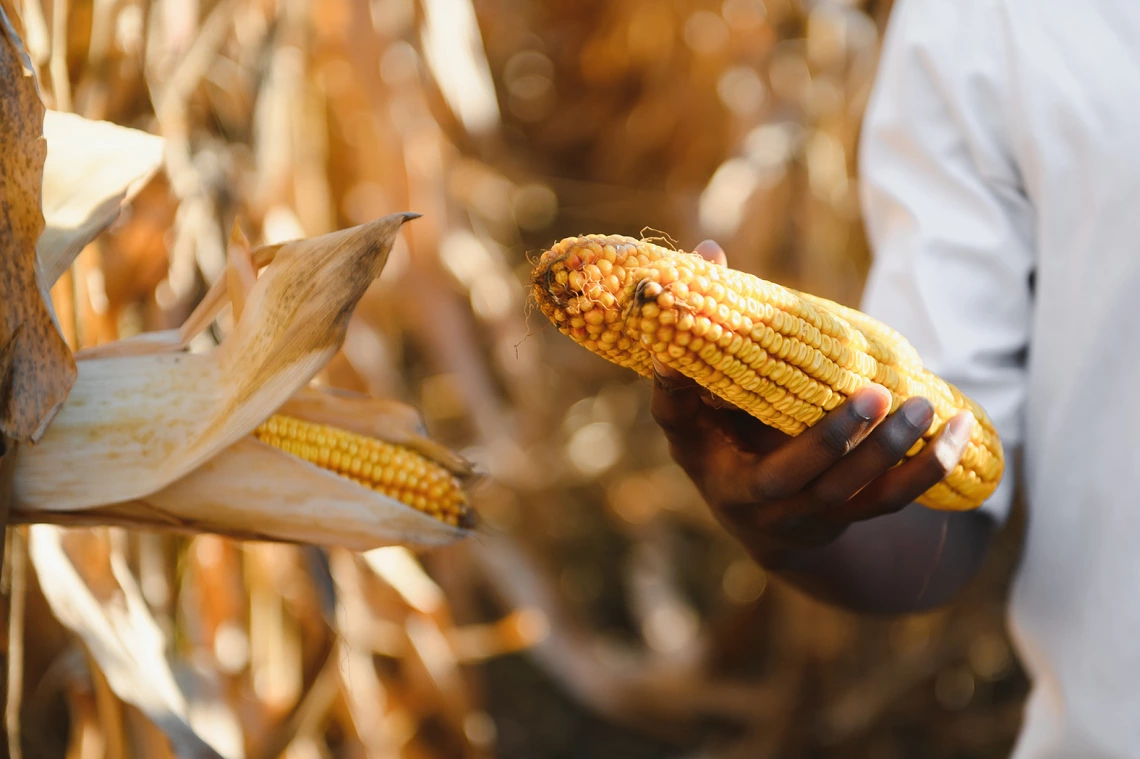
x=711 y=251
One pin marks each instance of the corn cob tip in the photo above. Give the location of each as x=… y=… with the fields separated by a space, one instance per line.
x=588 y=285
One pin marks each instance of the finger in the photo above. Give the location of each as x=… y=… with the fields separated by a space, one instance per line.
x=711 y=251
x=752 y=434
x=907 y=482
x=668 y=377
x=884 y=448
x=676 y=407
x=715 y=428
x=789 y=468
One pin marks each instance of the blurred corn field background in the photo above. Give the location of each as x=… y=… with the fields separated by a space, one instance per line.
x=599 y=611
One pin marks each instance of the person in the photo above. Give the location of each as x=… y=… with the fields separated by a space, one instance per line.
x=999 y=162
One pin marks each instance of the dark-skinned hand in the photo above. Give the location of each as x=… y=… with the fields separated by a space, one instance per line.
x=779 y=494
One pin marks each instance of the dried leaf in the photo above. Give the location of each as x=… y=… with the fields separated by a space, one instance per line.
x=93 y=168
x=42 y=369
x=453 y=48
x=173 y=340
x=255 y=489
x=137 y=424
x=120 y=633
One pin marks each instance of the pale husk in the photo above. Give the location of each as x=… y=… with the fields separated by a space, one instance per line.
x=84 y=189
x=252 y=491
x=133 y=425
x=264 y=490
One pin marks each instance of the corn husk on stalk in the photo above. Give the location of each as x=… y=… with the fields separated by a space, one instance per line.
x=154 y=435
x=785 y=357
x=310 y=500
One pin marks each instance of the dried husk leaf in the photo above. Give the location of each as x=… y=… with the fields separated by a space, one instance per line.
x=255 y=491
x=93 y=168
x=253 y=488
x=174 y=340
x=42 y=367
x=135 y=424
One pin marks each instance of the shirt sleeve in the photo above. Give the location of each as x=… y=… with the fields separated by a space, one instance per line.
x=950 y=228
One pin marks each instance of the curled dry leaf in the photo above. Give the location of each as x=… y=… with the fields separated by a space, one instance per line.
x=208 y=309
x=167 y=438
x=93 y=169
x=42 y=368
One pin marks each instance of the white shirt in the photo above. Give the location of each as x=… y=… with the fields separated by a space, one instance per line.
x=1001 y=189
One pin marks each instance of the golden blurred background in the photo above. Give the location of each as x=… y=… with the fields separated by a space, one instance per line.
x=599 y=612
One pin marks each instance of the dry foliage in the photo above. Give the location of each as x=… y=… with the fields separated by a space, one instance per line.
x=597 y=611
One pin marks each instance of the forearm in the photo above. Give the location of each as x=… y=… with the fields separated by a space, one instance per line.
x=911 y=561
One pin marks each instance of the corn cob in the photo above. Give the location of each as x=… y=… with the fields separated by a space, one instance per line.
x=785 y=357
x=394 y=470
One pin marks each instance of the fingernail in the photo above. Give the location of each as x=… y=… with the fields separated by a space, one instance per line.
x=866 y=404
x=918 y=412
x=708 y=249
x=665 y=377
x=713 y=401
x=960 y=427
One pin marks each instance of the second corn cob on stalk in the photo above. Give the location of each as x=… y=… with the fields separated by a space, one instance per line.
x=394 y=470
x=785 y=357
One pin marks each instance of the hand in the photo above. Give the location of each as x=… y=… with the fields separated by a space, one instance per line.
x=777 y=493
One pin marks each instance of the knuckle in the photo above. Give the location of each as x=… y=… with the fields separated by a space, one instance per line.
x=926 y=471
x=890 y=505
x=893 y=495
x=834 y=439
